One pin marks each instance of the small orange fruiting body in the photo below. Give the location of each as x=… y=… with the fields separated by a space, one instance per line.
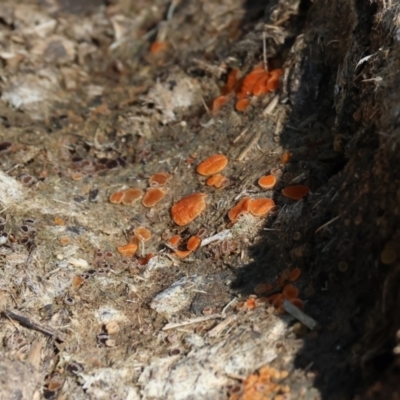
x=59 y=221
x=261 y=87
x=64 y=241
x=242 y=104
x=263 y=288
x=188 y=208
x=116 y=197
x=144 y=260
x=286 y=157
x=267 y=181
x=295 y=274
x=231 y=82
x=218 y=103
x=290 y=292
x=182 y=253
x=142 y=233
x=251 y=304
x=128 y=250
x=212 y=165
x=174 y=241
x=159 y=179
x=153 y=196
x=193 y=243
x=297 y=302
x=260 y=207
x=77 y=281
x=131 y=195
x=242 y=207
x=158 y=47
x=295 y=192
x=217 y=181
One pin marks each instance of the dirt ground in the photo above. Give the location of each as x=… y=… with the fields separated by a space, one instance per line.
x=98 y=96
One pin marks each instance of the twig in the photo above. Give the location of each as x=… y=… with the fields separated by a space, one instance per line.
x=223 y=235
x=265 y=51
x=35 y=326
x=174 y=325
x=253 y=141
x=241 y=134
x=328 y=223
x=214 y=332
x=271 y=106
x=295 y=312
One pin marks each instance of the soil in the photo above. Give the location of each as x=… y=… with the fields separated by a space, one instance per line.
x=90 y=106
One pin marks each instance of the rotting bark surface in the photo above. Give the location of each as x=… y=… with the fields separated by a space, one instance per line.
x=88 y=110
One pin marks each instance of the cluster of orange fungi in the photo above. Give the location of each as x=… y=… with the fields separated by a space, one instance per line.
x=257 y=83
x=191 y=206
x=154 y=194
x=141 y=235
x=266 y=384
x=258 y=207
x=282 y=290
x=192 y=245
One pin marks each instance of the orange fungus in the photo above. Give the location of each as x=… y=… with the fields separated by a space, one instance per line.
x=290 y=292
x=212 y=165
x=295 y=274
x=188 y=208
x=128 y=250
x=295 y=192
x=193 y=243
x=242 y=207
x=159 y=179
x=153 y=196
x=131 y=195
x=267 y=181
x=158 y=47
x=116 y=197
x=218 y=103
x=182 y=253
x=297 y=302
x=217 y=180
x=174 y=241
x=142 y=233
x=260 y=207
x=242 y=104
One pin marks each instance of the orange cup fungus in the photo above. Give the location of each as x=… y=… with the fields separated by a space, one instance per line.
x=242 y=104
x=116 y=197
x=158 y=47
x=295 y=274
x=231 y=82
x=153 y=196
x=242 y=207
x=193 y=243
x=297 y=302
x=267 y=182
x=258 y=82
x=182 y=253
x=295 y=192
x=142 y=233
x=290 y=292
x=218 y=103
x=188 y=208
x=263 y=288
x=131 y=195
x=212 y=165
x=217 y=181
x=159 y=179
x=174 y=241
x=260 y=207
x=77 y=281
x=128 y=250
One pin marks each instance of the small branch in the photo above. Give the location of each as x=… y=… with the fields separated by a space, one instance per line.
x=295 y=312
x=174 y=325
x=24 y=321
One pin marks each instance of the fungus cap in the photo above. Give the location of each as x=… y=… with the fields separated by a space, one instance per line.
x=212 y=165
x=188 y=208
